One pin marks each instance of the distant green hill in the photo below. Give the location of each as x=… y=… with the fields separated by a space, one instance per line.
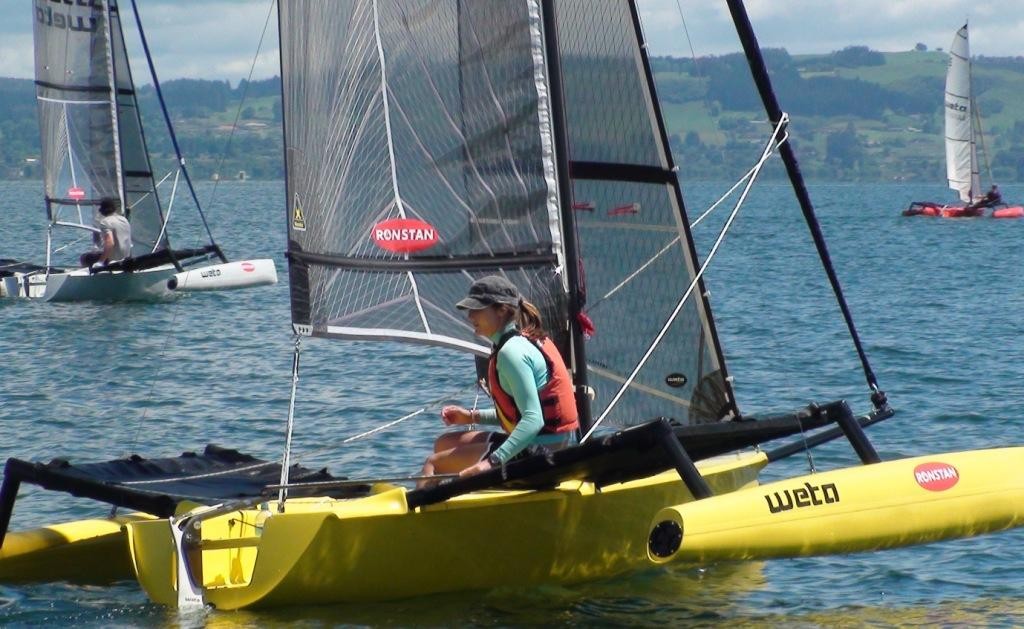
x=857 y=114
x=203 y=113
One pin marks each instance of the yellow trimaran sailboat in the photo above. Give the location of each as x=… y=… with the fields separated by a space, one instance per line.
x=428 y=143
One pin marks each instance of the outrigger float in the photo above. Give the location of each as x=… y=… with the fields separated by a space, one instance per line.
x=463 y=117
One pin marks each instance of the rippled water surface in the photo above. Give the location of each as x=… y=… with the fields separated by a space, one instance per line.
x=939 y=304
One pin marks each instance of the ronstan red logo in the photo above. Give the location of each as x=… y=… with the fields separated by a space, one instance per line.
x=248 y=267
x=76 y=193
x=404 y=235
x=935 y=476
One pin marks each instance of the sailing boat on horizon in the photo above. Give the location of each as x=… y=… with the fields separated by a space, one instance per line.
x=962 y=136
x=453 y=139
x=94 y=149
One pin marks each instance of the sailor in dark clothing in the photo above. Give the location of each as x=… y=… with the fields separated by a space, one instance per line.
x=991 y=199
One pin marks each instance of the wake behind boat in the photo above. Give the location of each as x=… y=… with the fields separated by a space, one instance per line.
x=94 y=149
x=962 y=133
x=450 y=142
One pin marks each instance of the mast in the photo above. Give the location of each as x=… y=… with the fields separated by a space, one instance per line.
x=975 y=120
x=771 y=104
x=572 y=270
x=112 y=82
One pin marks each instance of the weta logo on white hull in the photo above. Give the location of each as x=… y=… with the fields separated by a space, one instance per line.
x=404 y=235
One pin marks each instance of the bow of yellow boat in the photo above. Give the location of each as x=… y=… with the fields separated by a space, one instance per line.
x=376 y=548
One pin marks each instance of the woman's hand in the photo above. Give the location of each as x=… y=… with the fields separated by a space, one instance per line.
x=480 y=467
x=451 y=415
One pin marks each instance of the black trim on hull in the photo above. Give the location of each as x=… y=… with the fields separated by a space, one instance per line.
x=158 y=258
x=636 y=452
x=9 y=267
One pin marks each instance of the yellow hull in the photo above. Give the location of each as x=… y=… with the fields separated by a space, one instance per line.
x=869 y=507
x=375 y=548
x=84 y=551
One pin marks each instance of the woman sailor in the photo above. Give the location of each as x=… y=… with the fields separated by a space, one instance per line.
x=528 y=381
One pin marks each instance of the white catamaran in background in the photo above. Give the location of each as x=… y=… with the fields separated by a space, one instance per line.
x=431 y=142
x=963 y=134
x=94 y=148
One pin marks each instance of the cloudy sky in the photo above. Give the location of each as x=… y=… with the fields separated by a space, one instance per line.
x=218 y=38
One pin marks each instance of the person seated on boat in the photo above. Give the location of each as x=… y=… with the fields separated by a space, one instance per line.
x=528 y=380
x=991 y=199
x=114 y=240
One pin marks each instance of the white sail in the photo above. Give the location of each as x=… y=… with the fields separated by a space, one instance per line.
x=961 y=153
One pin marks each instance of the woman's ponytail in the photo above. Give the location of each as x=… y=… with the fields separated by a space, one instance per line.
x=529 y=321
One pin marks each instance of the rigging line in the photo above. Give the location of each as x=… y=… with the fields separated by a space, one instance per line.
x=807 y=446
x=233 y=470
x=348 y=482
x=155 y=186
x=167 y=121
x=429 y=405
x=282 y=494
x=762 y=80
x=181 y=169
x=241 y=103
x=775 y=139
x=114 y=113
x=70 y=244
x=693 y=53
x=704 y=215
x=262 y=464
x=170 y=207
x=976 y=112
x=384 y=427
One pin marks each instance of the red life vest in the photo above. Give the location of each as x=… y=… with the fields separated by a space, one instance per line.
x=557 y=401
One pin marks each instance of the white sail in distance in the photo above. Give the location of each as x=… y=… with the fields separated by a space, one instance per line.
x=961 y=152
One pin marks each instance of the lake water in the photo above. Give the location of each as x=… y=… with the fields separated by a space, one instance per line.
x=939 y=305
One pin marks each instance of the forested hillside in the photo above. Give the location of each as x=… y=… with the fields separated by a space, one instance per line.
x=857 y=114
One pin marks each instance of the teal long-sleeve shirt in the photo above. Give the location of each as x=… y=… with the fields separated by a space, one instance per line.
x=522 y=372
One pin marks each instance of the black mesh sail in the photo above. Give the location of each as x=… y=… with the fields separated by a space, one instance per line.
x=419 y=157
x=139 y=189
x=91 y=133
x=635 y=247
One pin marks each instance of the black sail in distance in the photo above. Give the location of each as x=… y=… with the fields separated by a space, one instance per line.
x=419 y=157
x=91 y=132
x=635 y=246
